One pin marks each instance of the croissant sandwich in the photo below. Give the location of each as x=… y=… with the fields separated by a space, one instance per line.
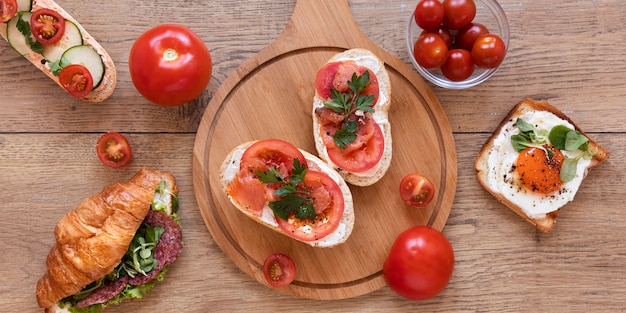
x=114 y=246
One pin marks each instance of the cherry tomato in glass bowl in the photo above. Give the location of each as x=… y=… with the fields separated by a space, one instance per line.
x=170 y=65
x=420 y=263
x=488 y=51
x=279 y=270
x=458 y=13
x=444 y=33
x=459 y=65
x=47 y=26
x=466 y=36
x=113 y=150
x=416 y=190
x=428 y=14
x=8 y=8
x=76 y=80
x=430 y=51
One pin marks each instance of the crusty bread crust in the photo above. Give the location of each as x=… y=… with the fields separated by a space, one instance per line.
x=547 y=223
x=233 y=161
x=381 y=106
x=109 y=81
x=92 y=239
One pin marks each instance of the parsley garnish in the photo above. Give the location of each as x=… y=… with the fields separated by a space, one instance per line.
x=349 y=102
x=24 y=28
x=291 y=192
x=57 y=66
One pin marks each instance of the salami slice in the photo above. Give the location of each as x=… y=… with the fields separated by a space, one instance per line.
x=105 y=293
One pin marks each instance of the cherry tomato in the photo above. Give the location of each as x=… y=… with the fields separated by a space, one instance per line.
x=428 y=14
x=8 y=8
x=328 y=203
x=459 y=65
x=47 y=26
x=488 y=51
x=279 y=270
x=113 y=150
x=170 y=65
x=419 y=264
x=458 y=13
x=467 y=35
x=430 y=51
x=443 y=32
x=76 y=80
x=416 y=190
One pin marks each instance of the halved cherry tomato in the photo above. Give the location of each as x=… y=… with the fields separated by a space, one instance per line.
x=459 y=65
x=430 y=51
x=279 y=270
x=458 y=13
x=428 y=14
x=267 y=153
x=488 y=51
x=467 y=35
x=335 y=75
x=328 y=203
x=47 y=26
x=76 y=80
x=363 y=153
x=8 y=8
x=416 y=190
x=113 y=150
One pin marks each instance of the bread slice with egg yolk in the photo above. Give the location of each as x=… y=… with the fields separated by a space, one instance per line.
x=528 y=181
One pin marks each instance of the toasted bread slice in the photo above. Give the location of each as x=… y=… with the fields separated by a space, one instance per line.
x=543 y=222
x=109 y=79
x=230 y=167
x=381 y=110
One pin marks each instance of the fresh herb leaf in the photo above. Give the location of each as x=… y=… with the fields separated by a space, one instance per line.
x=568 y=169
x=347 y=103
x=292 y=193
x=57 y=66
x=24 y=28
x=574 y=140
x=529 y=137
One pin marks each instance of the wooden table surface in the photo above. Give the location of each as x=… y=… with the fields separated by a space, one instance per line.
x=569 y=53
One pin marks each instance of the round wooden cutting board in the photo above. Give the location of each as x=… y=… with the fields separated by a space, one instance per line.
x=270 y=96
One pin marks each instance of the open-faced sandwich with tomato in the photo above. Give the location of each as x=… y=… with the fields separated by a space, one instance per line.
x=114 y=246
x=350 y=116
x=290 y=191
x=536 y=160
x=51 y=39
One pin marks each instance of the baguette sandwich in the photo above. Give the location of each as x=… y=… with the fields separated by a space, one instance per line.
x=53 y=41
x=289 y=191
x=536 y=160
x=350 y=116
x=113 y=246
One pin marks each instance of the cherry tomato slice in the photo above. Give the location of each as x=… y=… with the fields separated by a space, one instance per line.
x=328 y=203
x=488 y=51
x=458 y=13
x=47 y=26
x=279 y=270
x=113 y=150
x=416 y=190
x=430 y=51
x=76 y=80
x=428 y=14
x=459 y=65
x=8 y=8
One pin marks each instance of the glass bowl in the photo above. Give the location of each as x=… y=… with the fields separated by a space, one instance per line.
x=488 y=13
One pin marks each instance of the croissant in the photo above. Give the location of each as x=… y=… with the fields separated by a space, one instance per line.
x=92 y=239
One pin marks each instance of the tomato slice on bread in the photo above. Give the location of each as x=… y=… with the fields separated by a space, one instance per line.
x=47 y=26
x=335 y=75
x=8 y=8
x=76 y=80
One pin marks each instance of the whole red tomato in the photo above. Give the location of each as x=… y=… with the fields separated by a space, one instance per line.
x=170 y=65
x=419 y=264
x=430 y=51
x=488 y=51
x=459 y=65
x=467 y=35
x=428 y=14
x=458 y=13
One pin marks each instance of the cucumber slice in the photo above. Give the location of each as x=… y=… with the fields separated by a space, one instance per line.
x=24 y=5
x=71 y=37
x=89 y=58
x=15 y=38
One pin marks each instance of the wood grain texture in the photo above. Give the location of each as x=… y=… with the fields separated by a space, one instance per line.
x=566 y=52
